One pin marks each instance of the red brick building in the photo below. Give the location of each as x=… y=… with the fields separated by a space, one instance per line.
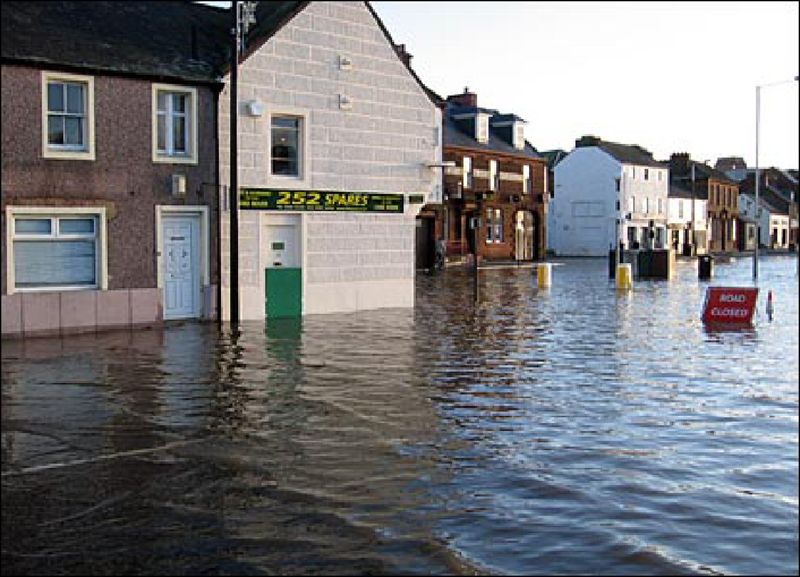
x=498 y=178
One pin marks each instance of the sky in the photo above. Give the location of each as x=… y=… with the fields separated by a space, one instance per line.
x=668 y=76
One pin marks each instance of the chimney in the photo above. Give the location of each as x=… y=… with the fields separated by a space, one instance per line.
x=587 y=140
x=467 y=99
x=679 y=164
x=404 y=56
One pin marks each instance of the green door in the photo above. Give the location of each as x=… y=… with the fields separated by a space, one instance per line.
x=284 y=292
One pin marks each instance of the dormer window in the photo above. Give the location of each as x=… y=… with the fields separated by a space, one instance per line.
x=482 y=128
x=519 y=135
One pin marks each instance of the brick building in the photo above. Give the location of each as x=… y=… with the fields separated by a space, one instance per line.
x=498 y=178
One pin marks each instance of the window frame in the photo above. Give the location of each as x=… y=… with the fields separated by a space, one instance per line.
x=495 y=224
x=54 y=214
x=192 y=127
x=304 y=150
x=61 y=151
x=526 y=179
x=467 y=173
x=494 y=176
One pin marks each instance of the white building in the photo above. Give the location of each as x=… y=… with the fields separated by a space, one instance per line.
x=606 y=193
x=336 y=139
x=773 y=223
x=682 y=207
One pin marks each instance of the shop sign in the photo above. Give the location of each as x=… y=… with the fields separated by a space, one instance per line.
x=322 y=201
x=730 y=305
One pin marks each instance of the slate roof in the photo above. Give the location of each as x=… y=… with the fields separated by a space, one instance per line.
x=553 y=157
x=170 y=39
x=630 y=154
x=678 y=191
x=703 y=171
x=454 y=135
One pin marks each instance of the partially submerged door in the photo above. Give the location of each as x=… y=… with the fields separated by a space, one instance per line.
x=181 y=261
x=283 y=275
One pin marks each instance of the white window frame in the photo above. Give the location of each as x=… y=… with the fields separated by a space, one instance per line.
x=468 y=177
x=304 y=162
x=56 y=212
x=680 y=208
x=191 y=128
x=660 y=202
x=61 y=152
x=482 y=128
x=646 y=207
x=632 y=204
x=526 y=179
x=519 y=135
x=493 y=180
x=494 y=224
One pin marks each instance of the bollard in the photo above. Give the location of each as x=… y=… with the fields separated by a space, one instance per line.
x=543 y=274
x=624 y=276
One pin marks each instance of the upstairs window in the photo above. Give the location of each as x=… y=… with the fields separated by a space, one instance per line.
x=519 y=135
x=285 y=135
x=631 y=204
x=68 y=123
x=482 y=128
x=646 y=174
x=174 y=124
x=494 y=177
x=526 y=179
x=467 y=176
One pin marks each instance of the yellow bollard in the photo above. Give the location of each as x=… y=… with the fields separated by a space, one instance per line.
x=624 y=276
x=543 y=274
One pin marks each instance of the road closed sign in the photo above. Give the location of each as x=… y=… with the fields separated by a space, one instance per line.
x=730 y=306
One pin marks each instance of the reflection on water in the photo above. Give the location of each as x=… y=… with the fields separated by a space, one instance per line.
x=570 y=430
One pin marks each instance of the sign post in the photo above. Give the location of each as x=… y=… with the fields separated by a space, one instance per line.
x=730 y=306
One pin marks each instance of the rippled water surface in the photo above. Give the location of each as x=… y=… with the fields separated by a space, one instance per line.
x=561 y=431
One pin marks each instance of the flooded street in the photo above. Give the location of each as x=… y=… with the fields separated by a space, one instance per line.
x=572 y=430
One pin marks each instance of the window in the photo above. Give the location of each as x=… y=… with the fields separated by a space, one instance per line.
x=660 y=206
x=494 y=226
x=519 y=135
x=494 y=177
x=659 y=174
x=56 y=249
x=482 y=128
x=646 y=174
x=680 y=209
x=616 y=184
x=467 y=172
x=526 y=179
x=174 y=124
x=631 y=204
x=68 y=116
x=646 y=208
x=633 y=172
x=285 y=137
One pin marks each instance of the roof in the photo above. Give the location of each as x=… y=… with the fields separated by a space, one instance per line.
x=628 y=153
x=173 y=39
x=452 y=135
x=678 y=191
x=553 y=157
x=703 y=171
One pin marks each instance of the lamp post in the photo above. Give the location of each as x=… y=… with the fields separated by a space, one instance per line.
x=758 y=129
x=243 y=16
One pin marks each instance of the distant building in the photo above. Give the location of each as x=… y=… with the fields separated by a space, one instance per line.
x=734 y=167
x=721 y=192
x=686 y=214
x=778 y=194
x=607 y=193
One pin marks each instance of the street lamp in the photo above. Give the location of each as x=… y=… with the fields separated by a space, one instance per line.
x=758 y=127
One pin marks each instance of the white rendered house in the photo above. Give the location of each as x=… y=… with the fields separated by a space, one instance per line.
x=773 y=223
x=338 y=143
x=605 y=193
x=682 y=207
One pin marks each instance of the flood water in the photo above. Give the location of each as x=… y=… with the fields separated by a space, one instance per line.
x=572 y=430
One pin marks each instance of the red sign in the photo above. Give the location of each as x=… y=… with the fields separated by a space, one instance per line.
x=730 y=305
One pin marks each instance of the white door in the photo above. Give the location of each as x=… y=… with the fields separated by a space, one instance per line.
x=181 y=264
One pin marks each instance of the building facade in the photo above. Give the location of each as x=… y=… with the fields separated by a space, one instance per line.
x=338 y=142
x=108 y=167
x=495 y=187
x=687 y=222
x=607 y=194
